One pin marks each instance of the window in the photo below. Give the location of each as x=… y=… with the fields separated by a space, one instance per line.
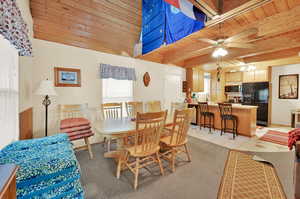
x=117 y=90
x=207 y=83
x=8 y=93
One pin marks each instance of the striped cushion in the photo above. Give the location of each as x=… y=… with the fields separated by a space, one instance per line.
x=75 y=129
x=73 y=122
x=80 y=136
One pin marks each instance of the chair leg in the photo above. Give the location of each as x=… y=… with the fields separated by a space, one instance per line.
x=225 y=126
x=173 y=160
x=104 y=141
x=221 y=126
x=209 y=124
x=160 y=164
x=187 y=153
x=108 y=145
x=233 y=128
x=136 y=175
x=119 y=168
x=214 y=123
x=200 y=121
x=87 y=142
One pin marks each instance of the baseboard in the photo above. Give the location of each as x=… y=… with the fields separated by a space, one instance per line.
x=280 y=125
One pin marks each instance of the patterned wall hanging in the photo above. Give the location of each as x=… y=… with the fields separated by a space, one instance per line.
x=14 y=28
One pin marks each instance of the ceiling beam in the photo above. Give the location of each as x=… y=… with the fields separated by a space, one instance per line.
x=251 y=5
x=273 y=25
x=204 y=7
x=273 y=55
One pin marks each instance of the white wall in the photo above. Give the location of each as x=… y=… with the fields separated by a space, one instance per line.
x=281 y=108
x=48 y=55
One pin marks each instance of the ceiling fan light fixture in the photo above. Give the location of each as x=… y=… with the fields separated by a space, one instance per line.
x=220 y=52
x=243 y=68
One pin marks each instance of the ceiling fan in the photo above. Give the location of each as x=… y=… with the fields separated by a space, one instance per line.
x=237 y=41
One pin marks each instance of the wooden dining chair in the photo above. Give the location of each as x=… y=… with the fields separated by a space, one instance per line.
x=177 y=138
x=145 y=144
x=132 y=108
x=178 y=106
x=154 y=106
x=75 y=124
x=112 y=110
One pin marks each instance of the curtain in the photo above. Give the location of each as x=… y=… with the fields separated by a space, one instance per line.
x=9 y=95
x=14 y=28
x=117 y=72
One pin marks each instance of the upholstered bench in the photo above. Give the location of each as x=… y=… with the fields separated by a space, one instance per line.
x=48 y=167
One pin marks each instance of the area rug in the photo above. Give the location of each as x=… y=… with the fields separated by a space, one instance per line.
x=246 y=178
x=276 y=137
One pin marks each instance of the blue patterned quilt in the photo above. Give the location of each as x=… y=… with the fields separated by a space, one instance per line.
x=48 y=167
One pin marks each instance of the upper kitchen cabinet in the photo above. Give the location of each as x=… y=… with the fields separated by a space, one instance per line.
x=195 y=79
x=234 y=77
x=256 y=76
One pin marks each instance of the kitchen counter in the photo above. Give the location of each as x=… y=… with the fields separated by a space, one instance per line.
x=246 y=117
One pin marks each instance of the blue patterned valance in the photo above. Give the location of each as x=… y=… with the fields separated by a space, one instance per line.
x=117 y=72
x=14 y=28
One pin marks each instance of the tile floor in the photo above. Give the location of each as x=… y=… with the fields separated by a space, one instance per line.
x=240 y=142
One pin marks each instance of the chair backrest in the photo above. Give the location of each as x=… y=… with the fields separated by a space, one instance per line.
x=112 y=110
x=132 y=108
x=178 y=106
x=203 y=107
x=180 y=126
x=71 y=110
x=297 y=119
x=225 y=109
x=154 y=106
x=149 y=127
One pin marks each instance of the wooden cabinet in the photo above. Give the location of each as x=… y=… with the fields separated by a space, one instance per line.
x=248 y=76
x=261 y=75
x=255 y=76
x=233 y=76
x=195 y=79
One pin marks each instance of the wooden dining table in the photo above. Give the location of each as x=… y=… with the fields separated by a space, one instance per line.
x=116 y=129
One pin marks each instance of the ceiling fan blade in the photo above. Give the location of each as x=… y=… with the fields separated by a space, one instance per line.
x=242 y=35
x=210 y=41
x=198 y=52
x=239 y=45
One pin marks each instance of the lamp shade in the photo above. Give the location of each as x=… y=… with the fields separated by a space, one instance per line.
x=46 y=88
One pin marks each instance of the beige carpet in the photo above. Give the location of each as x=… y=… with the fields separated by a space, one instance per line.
x=245 y=178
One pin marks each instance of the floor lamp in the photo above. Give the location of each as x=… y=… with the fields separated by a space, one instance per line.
x=46 y=89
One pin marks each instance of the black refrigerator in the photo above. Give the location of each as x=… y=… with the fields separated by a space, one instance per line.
x=257 y=94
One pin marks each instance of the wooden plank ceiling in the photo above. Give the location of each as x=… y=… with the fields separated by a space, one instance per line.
x=111 y=26
x=278 y=35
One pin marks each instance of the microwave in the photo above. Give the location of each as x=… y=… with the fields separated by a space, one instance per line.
x=233 y=89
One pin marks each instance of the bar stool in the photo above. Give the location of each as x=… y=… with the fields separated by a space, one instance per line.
x=226 y=115
x=204 y=113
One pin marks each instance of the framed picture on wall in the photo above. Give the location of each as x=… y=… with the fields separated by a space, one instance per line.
x=67 y=77
x=289 y=86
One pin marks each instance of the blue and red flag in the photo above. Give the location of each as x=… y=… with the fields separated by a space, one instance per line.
x=188 y=9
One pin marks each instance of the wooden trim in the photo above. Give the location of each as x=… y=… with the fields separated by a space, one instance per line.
x=270 y=96
x=26 y=124
x=56 y=74
x=8 y=181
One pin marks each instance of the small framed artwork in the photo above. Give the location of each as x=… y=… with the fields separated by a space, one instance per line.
x=67 y=77
x=289 y=86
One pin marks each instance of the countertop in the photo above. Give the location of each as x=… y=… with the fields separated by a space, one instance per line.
x=237 y=106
